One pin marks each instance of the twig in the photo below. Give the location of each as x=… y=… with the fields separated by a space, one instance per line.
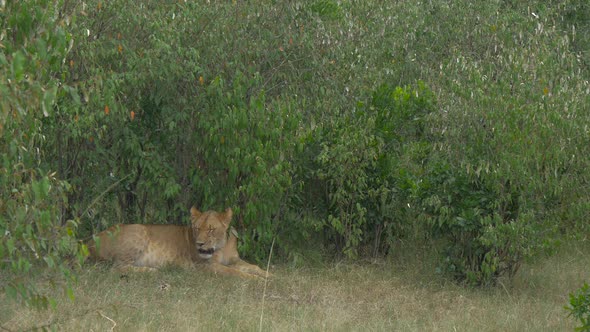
x=105 y=316
x=265 y=283
x=505 y=289
x=58 y=321
x=104 y=193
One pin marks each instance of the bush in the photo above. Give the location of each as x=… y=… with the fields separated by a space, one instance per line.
x=246 y=144
x=500 y=185
x=486 y=231
x=579 y=307
x=355 y=125
x=34 y=235
x=168 y=118
x=362 y=163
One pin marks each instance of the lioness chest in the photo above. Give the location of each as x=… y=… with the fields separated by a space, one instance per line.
x=146 y=245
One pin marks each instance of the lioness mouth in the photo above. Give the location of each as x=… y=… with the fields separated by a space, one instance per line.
x=206 y=252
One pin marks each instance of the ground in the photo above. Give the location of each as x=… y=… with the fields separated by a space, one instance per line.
x=392 y=295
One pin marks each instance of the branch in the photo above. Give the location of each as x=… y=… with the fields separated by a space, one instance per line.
x=102 y=194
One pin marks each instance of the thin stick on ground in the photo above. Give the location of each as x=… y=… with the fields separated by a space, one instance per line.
x=55 y=322
x=112 y=321
x=265 y=283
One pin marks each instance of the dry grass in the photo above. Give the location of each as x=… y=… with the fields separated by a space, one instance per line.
x=392 y=295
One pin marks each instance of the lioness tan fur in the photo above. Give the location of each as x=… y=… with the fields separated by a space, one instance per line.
x=206 y=242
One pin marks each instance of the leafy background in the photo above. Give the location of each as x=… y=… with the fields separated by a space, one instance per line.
x=356 y=126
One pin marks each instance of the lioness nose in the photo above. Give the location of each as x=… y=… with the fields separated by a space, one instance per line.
x=200 y=243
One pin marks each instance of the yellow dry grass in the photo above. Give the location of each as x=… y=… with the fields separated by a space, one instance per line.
x=397 y=295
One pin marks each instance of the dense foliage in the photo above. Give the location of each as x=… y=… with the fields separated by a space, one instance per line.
x=579 y=307
x=350 y=125
x=33 y=196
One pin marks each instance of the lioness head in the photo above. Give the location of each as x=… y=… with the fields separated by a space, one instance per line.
x=209 y=229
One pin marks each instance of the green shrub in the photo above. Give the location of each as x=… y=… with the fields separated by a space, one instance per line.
x=478 y=138
x=500 y=181
x=401 y=118
x=579 y=307
x=169 y=118
x=344 y=164
x=362 y=163
x=487 y=232
x=34 y=234
x=327 y=9
x=245 y=149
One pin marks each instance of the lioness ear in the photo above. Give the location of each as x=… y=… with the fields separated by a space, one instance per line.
x=227 y=215
x=195 y=214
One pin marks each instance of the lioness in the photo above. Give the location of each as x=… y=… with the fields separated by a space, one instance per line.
x=148 y=247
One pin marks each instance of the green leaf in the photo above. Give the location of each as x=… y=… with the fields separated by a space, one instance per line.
x=18 y=66
x=73 y=94
x=10 y=291
x=70 y=293
x=10 y=245
x=48 y=100
x=49 y=261
x=41 y=189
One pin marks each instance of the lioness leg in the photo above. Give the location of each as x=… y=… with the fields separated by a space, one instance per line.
x=250 y=269
x=230 y=258
x=231 y=270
